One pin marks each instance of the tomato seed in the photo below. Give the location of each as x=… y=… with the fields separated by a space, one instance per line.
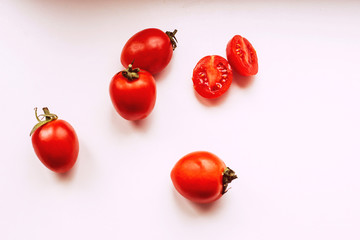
x=221 y=67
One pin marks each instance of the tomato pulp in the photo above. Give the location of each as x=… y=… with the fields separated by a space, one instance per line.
x=242 y=56
x=212 y=76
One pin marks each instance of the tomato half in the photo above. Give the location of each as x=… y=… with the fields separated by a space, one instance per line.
x=150 y=49
x=242 y=56
x=201 y=177
x=133 y=93
x=212 y=76
x=55 y=143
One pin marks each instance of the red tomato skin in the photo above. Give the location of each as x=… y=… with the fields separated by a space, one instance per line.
x=198 y=177
x=133 y=99
x=56 y=145
x=244 y=61
x=222 y=74
x=150 y=49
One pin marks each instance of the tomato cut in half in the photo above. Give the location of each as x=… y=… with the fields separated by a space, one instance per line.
x=242 y=56
x=212 y=76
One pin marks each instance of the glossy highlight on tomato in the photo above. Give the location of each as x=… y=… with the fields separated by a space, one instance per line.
x=242 y=56
x=212 y=76
x=201 y=177
x=55 y=142
x=150 y=49
x=133 y=93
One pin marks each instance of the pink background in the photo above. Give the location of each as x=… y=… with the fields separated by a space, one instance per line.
x=291 y=133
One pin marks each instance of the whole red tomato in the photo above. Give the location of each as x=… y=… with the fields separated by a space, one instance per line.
x=212 y=76
x=150 y=49
x=242 y=56
x=201 y=177
x=55 y=142
x=133 y=93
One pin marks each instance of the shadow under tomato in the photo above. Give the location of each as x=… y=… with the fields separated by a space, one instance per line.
x=164 y=73
x=118 y=123
x=84 y=170
x=142 y=124
x=125 y=126
x=243 y=81
x=212 y=102
x=69 y=175
x=207 y=207
x=191 y=208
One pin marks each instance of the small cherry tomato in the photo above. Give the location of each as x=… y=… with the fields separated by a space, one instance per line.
x=242 y=56
x=150 y=49
x=55 y=142
x=201 y=177
x=133 y=93
x=212 y=76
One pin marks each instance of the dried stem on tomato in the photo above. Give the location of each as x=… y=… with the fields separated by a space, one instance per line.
x=172 y=37
x=228 y=176
x=131 y=73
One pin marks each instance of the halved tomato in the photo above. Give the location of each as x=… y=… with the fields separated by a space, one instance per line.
x=242 y=56
x=212 y=76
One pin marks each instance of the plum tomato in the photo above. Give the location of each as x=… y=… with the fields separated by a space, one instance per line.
x=212 y=76
x=55 y=142
x=242 y=56
x=201 y=177
x=150 y=49
x=133 y=93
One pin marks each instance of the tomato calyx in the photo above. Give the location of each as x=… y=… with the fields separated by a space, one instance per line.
x=131 y=73
x=228 y=176
x=172 y=37
x=47 y=117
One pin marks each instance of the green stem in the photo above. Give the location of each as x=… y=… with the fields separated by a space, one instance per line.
x=37 y=117
x=48 y=118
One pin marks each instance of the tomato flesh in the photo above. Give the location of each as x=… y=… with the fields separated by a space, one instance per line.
x=56 y=145
x=198 y=177
x=242 y=56
x=212 y=76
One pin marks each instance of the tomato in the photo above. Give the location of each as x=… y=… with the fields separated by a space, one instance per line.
x=201 y=177
x=212 y=76
x=55 y=142
x=150 y=49
x=133 y=93
x=242 y=56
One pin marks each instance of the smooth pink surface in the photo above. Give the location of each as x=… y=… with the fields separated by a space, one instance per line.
x=291 y=132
